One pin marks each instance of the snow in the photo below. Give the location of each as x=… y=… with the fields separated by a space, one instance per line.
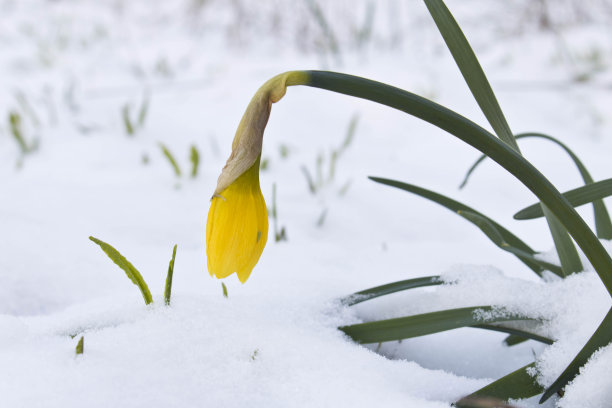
x=273 y=342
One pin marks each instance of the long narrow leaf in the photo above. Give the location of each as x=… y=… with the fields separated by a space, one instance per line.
x=127 y=267
x=524 y=334
x=80 y=346
x=518 y=384
x=603 y=225
x=168 y=155
x=459 y=208
x=491 y=231
x=568 y=254
x=194 y=157
x=470 y=69
x=420 y=325
x=389 y=288
x=576 y=197
x=601 y=338
x=471 y=170
x=481 y=89
x=475 y=136
x=168 y=287
x=513 y=340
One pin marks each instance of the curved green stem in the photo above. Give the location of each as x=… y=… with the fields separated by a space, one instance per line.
x=476 y=136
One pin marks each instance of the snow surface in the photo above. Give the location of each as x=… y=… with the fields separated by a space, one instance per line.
x=273 y=342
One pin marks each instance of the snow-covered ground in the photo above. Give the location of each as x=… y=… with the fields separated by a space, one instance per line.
x=69 y=69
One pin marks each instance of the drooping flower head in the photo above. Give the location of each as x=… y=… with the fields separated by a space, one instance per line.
x=237 y=225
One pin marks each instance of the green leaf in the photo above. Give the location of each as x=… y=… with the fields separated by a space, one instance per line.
x=350 y=133
x=127 y=122
x=516 y=385
x=461 y=209
x=168 y=287
x=80 y=346
x=225 y=294
x=16 y=131
x=171 y=160
x=568 y=254
x=491 y=231
x=481 y=89
x=603 y=225
x=394 y=287
x=576 y=197
x=312 y=187
x=127 y=267
x=194 y=157
x=144 y=109
x=522 y=334
x=472 y=169
x=420 y=325
x=477 y=137
x=513 y=340
x=601 y=338
x=389 y=288
x=471 y=70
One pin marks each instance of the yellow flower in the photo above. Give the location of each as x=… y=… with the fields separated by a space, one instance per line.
x=237 y=225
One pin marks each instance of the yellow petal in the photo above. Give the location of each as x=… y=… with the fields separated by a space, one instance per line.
x=237 y=227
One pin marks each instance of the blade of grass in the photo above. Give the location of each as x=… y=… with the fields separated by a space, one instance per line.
x=350 y=133
x=459 y=208
x=194 y=157
x=168 y=287
x=171 y=160
x=576 y=197
x=127 y=267
x=127 y=122
x=311 y=185
x=419 y=325
x=224 y=288
x=389 y=288
x=475 y=136
x=144 y=110
x=16 y=131
x=603 y=225
x=481 y=90
x=518 y=384
x=601 y=338
x=80 y=346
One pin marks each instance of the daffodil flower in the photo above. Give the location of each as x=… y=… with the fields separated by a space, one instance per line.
x=237 y=225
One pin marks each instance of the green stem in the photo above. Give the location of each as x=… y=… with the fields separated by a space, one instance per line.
x=482 y=140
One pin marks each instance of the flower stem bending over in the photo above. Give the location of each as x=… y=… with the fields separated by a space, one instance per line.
x=237 y=225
